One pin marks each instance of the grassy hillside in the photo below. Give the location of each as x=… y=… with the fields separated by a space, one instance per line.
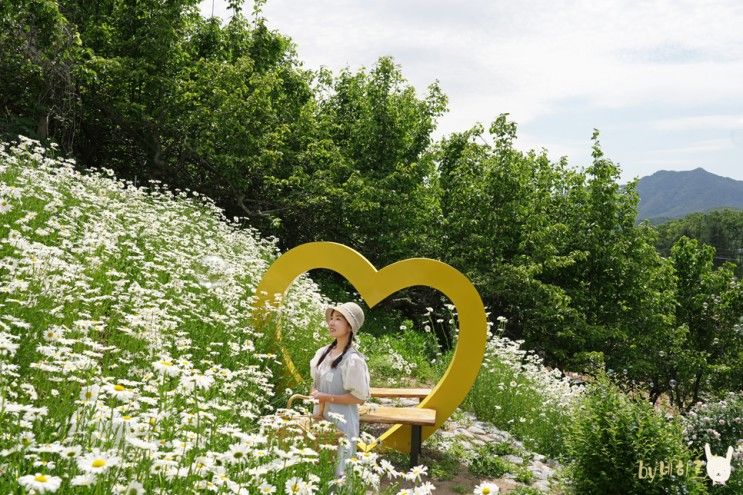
x=667 y=194
x=127 y=354
x=129 y=362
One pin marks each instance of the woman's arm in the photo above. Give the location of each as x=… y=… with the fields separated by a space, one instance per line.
x=347 y=398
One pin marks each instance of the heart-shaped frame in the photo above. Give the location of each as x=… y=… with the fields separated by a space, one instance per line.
x=375 y=285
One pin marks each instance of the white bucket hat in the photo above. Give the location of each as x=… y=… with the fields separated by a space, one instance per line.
x=351 y=311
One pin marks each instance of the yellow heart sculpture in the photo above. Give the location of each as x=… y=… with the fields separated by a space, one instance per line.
x=375 y=285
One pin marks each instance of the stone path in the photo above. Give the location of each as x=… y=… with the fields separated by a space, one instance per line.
x=471 y=433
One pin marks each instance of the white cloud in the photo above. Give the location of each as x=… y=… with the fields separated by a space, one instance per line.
x=699 y=122
x=701 y=146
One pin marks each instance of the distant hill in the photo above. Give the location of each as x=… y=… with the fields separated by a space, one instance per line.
x=666 y=194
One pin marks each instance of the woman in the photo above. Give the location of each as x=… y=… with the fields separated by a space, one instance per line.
x=340 y=377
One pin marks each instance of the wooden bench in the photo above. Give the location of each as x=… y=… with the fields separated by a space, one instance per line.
x=416 y=417
x=399 y=393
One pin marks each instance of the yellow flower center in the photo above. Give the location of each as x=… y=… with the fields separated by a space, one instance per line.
x=41 y=478
x=485 y=491
x=119 y=388
x=166 y=363
x=126 y=418
x=99 y=463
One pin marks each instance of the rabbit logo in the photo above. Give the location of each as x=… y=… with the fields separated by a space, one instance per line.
x=718 y=467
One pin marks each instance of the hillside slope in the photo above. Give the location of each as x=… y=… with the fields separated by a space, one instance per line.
x=670 y=194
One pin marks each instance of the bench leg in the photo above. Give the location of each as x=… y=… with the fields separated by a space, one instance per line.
x=415 y=444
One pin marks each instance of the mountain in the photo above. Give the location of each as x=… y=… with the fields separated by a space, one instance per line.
x=667 y=194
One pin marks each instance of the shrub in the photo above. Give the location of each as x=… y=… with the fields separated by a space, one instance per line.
x=515 y=392
x=720 y=424
x=488 y=463
x=524 y=475
x=613 y=437
x=395 y=359
x=525 y=490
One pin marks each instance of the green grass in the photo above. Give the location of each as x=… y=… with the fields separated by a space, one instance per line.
x=126 y=332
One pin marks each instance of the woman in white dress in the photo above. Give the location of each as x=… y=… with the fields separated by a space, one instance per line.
x=340 y=377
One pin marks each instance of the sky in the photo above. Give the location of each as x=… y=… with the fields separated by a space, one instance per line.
x=661 y=80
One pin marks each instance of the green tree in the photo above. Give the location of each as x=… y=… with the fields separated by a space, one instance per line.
x=381 y=195
x=556 y=251
x=40 y=63
x=709 y=310
x=722 y=229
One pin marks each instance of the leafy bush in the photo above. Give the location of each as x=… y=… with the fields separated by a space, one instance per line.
x=524 y=475
x=400 y=357
x=488 y=463
x=525 y=490
x=517 y=393
x=613 y=438
x=720 y=424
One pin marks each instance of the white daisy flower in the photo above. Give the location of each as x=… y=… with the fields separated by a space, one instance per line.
x=133 y=488
x=97 y=462
x=237 y=454
x=266 y=489
x=295 y=486
x=166 y=367
x=71 y=452
x=486 y=488
x=416 y=472
x=119 y=391
x=83 y=480
x=90 y=393
x=40 y=483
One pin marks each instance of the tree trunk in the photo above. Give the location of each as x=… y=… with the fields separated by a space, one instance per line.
x=42 y=129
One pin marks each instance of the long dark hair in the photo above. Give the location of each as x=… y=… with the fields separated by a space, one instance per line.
x=337 y=360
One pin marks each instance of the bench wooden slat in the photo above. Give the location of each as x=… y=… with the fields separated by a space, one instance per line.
x=417 y=393
x=398 y=415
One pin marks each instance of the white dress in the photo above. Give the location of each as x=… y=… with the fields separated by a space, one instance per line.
x=350 y=376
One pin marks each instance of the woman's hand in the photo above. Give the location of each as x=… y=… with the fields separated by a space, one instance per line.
x=320 y=396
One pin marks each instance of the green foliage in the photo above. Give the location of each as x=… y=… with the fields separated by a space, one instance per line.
x=555 y=249
x=708 y=309
x=487 y=463
x=524 y=475
x=400 y=358
x=155 y=91
x=511 y=402
x=380 y=194
x=501 y=448
x=721 y=229
x=517 y=393
x=612 y=434
x=444 y=466
x=719 y=424
x=40 y=64
x=525 y=490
